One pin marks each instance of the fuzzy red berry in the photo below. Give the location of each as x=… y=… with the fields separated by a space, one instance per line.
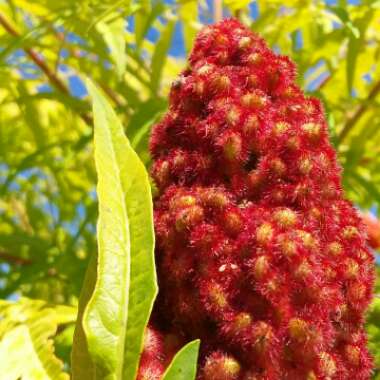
x=258 y=253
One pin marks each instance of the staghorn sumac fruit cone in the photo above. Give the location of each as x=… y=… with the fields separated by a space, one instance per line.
x=258 y=253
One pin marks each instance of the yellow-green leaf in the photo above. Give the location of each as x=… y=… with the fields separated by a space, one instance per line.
x=120 y=285
x=114 y=36
x=235 y=5
x=184 y=363
x=188 y=12
x=355 y=44
x=26 y=345
x=160 y=53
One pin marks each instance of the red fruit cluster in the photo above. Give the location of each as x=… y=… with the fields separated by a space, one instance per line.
x=258 y=253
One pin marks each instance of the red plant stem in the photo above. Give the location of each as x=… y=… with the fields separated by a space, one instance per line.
x=324 y=82
x=5 y=256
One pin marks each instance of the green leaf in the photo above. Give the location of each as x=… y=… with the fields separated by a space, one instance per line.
x=235 y=5
x=143 y=114
x=120 y=4
x=341 y=13
x=114 y=36
x=184 y=363
x=355 y=44
x=140 y=124
x=367 y=184
x=161 y=52
x=82 y=364
x=26 y=329
x=188 y=11
x=142 y=20
x=120 y=285
x=146 y=14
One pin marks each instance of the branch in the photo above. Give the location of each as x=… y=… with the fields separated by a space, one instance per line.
x=323 y=83
x=359 y=113
x=38 y=60
x=5 y=256
x=111 y=94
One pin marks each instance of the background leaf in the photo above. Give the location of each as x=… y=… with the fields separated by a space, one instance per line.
x=113 y=34
x=188 y=12
x=184 y=363
x=355 y=44
x=160 y=52
x=26 y=331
